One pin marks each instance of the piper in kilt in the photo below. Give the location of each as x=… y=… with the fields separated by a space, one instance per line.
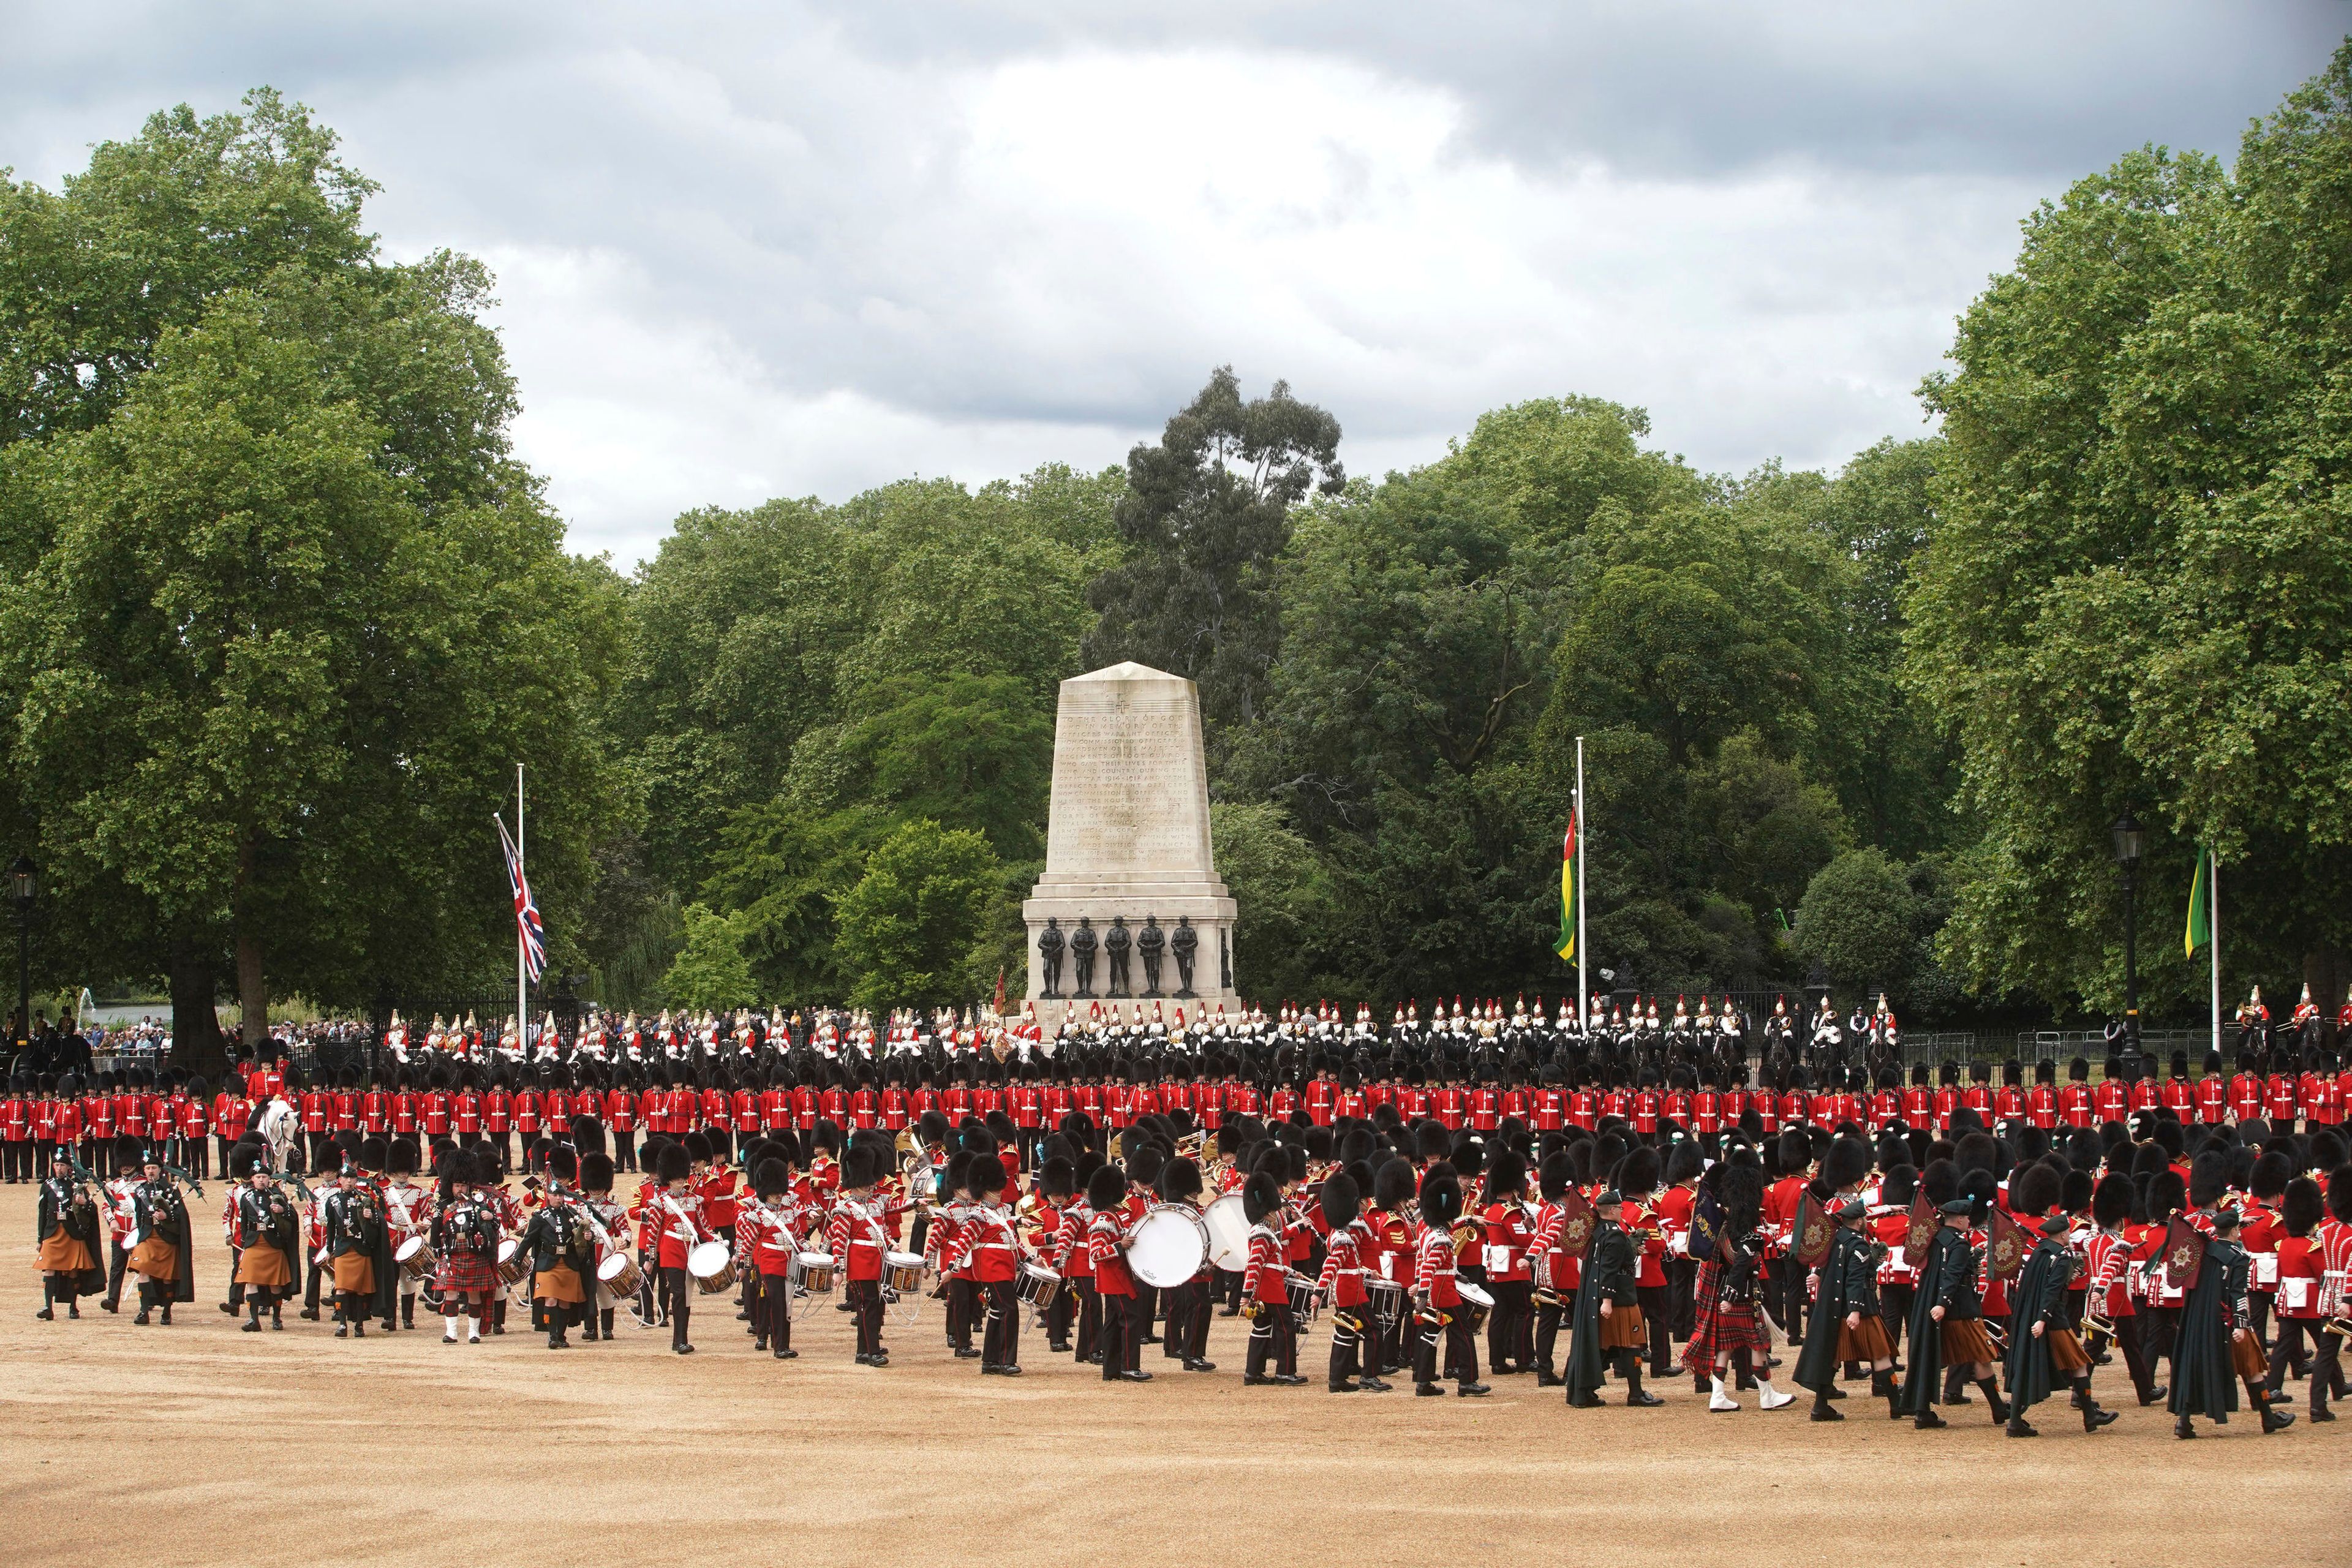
x=2218 y=1347
x=2043 y=1349
x=1727 y=1327
x=1848 y=1324
x=466 y=1238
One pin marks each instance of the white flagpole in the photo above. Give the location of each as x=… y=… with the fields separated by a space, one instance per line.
x=522 y=953
x=1583 y=831
x=2213 y=936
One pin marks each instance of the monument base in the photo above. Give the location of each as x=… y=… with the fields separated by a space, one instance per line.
x=1074 y=904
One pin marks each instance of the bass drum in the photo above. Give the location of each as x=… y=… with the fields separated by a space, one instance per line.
x=1229 y=1232
x=1171 y=1243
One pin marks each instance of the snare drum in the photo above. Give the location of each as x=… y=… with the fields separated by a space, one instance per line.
x=812 y=1272
x=1306 y=1294
x=513 y=1262
x=1475 y=1297
x=1385 y=1299
x=903 y=1271
x=712 y=1267
x=415 y=1259
x=1037 y=1285
x=620 y=1276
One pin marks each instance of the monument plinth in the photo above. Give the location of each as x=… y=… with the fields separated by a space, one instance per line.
x=1131 y=907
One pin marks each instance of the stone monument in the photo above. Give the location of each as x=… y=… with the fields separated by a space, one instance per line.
x=1128 y=853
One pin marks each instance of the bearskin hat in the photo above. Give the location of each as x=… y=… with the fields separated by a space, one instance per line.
x=1554 y=1176
x=1229 y=1139
x=1431 y=1141
x=1144 y=1164
x=1981 y=1188
x=2111 y=1200
x=1058 y=1178
x=1795 y=1151
x=2301 y=1207
x=596 y=1173
x=1261 y=1196
x=1395 y=1182
x=1507 y=1176
x=1684 y=1161
x=563 y=1163
x=242 y=1161
x=2270 y=1175
x=374 y=1153
x=2034 y=1191
x=2165 y=1192
x=2075 y=1190
x=1341 y=1199
x=1105 y=1188
x=1846 y=1164
x=770 y=1178
x=1898 y=1186
x=1180 y=1179
x=673 y=1164
x=1441 y=1199
x=860 y=1167
x=588 y=1134
x=1740 y=1188
x=2208 y=1178
x=400 y=1157
x=955 y=1176
x=986 y=1175
x=1637 y=1173
x=1941 y=1180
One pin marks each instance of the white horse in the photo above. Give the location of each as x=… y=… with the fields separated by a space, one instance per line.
x=281 y=1128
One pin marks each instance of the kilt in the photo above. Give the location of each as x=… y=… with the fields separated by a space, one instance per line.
x=156 y=1258
x=468 y=1274
x=2247 y=1360
x=264 y=1266
x=63 y=1254
x=558 y=1284
x=1622 y=1330
x=1720 y=1327
x=1866 y=1343
x=1963 y=1339
x=2067 y=1355
x=355 y=1272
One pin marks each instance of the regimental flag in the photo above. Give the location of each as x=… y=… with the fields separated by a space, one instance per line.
x=1577 y=1222
x=2201 y=906
x=1810 y=1236
x=528 y=926
x=1707 y=1225
x=1919 y=1231
x=2006 y=1245
x=1566 y=944
x=2184 y=1253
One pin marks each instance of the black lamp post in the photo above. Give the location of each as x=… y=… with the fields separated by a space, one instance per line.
x=23 y=886
x=2129 y=842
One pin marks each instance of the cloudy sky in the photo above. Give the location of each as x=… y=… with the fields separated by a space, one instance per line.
x=804 y=248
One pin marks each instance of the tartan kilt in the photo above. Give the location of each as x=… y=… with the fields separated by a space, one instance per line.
x=468 y=1274
x=1719 y=1327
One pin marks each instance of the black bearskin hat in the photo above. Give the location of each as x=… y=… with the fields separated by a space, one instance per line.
x=1431 y=1142
x=1180 y=1179
x=1740 y=1188
x=1507 y=1176
x=986 y=1177
x=673 y=1164
x=1396 y=1181
x=1441 y=1200
x=1941 y=1180
x=1105 y=1188
x=1637 y=1173
x=1847 y=1162
x=2034 y=1191
x=1981 y=1187
x=374 y=1153
x=1058 y=1178
x=2208 y=1178
x=1341 y=1199
x=2074 y=1191
x=2339 y=1193
x=563 y=1163
x=859 y=1166
x=1261 y=1196
x=1144 y=1162
x=242 y=1161
x=1899 y=1185
x=771 y=1178
x=1684 y=1161
x=596 y=1173
x=2166 y=1193
x=697 y=1148
x=400 y=1159
x=1555 y=1175
x=2111 y=1200
x=2301 y=1207
x=2270 y=1175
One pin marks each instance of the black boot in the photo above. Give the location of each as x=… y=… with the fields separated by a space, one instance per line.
x=2181 y=1428
x=2092 y=1416
x=1993 y=1398
x=1823 y=1409
x=254 y=1325
x=2017 y=1428
x=1634 y=1397
x=1883 y=1387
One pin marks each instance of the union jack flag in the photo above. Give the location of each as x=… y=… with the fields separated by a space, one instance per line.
x=528 y=925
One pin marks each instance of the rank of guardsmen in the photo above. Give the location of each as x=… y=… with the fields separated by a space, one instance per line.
x=1616 y=1211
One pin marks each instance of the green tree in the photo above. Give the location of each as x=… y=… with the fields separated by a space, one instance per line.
x=909 y=929
x=2138 y=589
x=1205 y=515
x=783 y=870
x=711 y=971
x=1869 y=922
x=285 y=609
x=1288 y=916
x=969 y=750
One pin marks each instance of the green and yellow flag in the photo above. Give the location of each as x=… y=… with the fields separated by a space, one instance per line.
x=1566 y=944
x=2199 y=929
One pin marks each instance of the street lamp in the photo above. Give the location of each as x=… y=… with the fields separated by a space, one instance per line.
x=2129 y=842
x=24 y=886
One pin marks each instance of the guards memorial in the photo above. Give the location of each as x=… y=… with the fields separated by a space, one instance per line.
x=1131 y=907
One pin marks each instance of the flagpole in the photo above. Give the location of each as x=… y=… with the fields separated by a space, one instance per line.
x=1583 y=831
x=522 y=949
x=2213 y=936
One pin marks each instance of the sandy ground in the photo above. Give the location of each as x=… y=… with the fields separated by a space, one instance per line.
x=197 y=1444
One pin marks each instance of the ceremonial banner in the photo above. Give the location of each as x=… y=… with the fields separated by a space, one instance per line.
x=1810 y=1236
x=1576 y=1229
x=2184 y=1253
x=1707 y=1224
x=1919 y=1232
x=2006 y=1247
